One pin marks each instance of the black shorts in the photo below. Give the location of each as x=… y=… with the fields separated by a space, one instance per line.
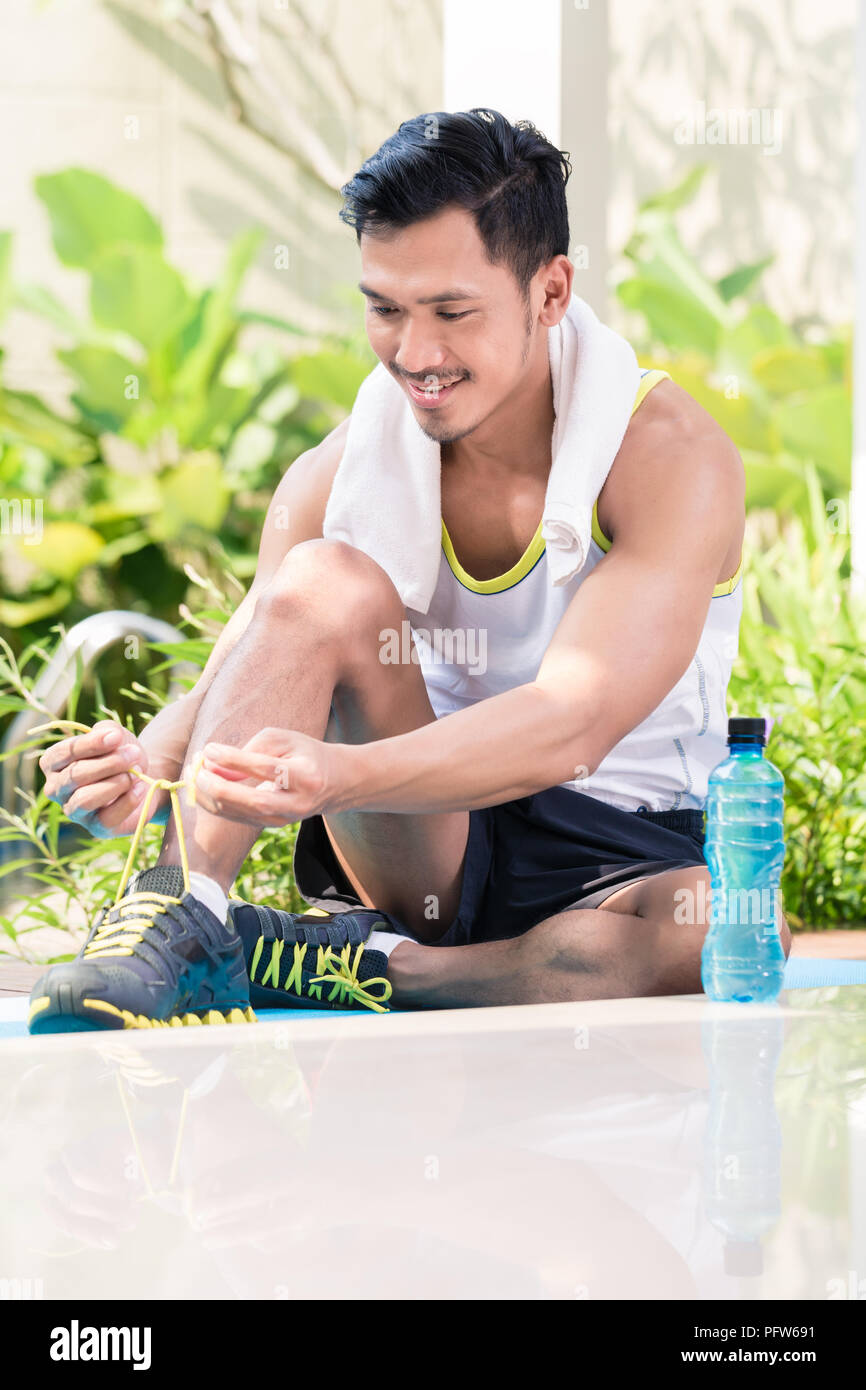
x=528 y=859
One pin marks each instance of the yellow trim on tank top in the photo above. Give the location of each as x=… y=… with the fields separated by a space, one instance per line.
x=646 y=384
x=530 y=557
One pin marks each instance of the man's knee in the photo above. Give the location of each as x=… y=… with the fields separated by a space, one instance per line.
x=336 y=588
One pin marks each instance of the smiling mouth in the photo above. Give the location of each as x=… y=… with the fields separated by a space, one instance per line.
x=428 y=395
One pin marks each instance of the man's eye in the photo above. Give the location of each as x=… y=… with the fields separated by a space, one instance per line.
x=383 y=310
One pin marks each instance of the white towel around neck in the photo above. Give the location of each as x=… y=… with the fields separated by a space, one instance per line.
x=386 y=495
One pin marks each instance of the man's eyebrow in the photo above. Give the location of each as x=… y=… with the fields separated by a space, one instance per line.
x=446 y=297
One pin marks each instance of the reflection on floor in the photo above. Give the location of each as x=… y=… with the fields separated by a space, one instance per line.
x=665 y=1148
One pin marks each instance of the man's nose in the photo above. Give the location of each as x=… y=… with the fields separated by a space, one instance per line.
x=420 y=354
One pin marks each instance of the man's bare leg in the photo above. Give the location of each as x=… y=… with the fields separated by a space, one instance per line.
x=310 y=658
x=632 y=945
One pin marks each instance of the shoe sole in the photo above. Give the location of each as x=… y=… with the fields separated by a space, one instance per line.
x=103 y=1016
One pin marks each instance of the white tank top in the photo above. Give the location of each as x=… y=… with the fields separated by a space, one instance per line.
x=664 y=762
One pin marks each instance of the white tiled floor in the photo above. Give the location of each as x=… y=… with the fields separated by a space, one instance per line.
x=592 y=1151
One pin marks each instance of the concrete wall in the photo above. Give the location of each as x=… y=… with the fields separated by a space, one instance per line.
x=787 y=56
x=121 y=87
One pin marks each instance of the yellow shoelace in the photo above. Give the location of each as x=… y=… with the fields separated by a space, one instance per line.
x=138 y=909
x=332 y=968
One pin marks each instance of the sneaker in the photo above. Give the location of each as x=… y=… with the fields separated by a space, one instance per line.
x=158 y=958
x=313 y=960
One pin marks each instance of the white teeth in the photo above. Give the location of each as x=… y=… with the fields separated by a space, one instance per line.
x=428 y=391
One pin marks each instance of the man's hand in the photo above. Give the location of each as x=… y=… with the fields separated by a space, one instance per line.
x=89 y=776
x=276 y=778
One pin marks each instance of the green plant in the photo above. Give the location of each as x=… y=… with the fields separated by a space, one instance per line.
x=783 y=393
x=177 y=427
x=802 y=659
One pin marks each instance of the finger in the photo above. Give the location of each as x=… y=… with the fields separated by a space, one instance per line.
x=83 y=772
x=238 y=762
x=211 y=802
x=237 y=801
x=122 y=815
x=231 y=774
x=56 y=756
x=109 y=740
x=103 y=738
x=100 y=796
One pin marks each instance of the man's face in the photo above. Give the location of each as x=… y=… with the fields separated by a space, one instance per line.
x=452 y=329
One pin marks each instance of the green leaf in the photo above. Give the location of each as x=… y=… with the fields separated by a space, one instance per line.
x=662 y=259
x=674 y=320
x=682 y=193
x=208 y=418
x=782 y=371
x=193 y=493
x=818 y=426
x=135 y=290
x=65 y=548
x=251 y=446
x=22 y=614
x=11 y=865
x=757 y=330
x=23 y=416
x=271 y=321
x=216 y=320
x=114 y=550
x=775 y=483
x=194 y=649
x=89 y=214
x=11 y=705
x=110 y=384
x=126 y=495
x=333 y=377
x=738 y=281
x=37 y=300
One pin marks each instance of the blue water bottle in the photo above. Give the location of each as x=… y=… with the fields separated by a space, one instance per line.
x=744 y=847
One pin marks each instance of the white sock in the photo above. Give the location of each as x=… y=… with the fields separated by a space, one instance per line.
x=208 y=892
x=383 y=941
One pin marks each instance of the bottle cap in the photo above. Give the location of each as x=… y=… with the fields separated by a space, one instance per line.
x=744 y=1258
x=747 y=730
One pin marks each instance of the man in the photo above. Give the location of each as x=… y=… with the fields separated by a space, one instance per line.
x=535 y=839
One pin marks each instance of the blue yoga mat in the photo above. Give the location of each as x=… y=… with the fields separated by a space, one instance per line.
x=801 y=972
x=810 y=972
x=13 y=1016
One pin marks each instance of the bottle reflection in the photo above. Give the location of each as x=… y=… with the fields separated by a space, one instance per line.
x=743 y=1143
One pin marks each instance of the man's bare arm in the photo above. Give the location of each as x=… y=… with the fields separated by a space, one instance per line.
x=626 y=639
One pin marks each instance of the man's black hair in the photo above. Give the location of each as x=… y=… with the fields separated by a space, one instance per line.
x=507 y=175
